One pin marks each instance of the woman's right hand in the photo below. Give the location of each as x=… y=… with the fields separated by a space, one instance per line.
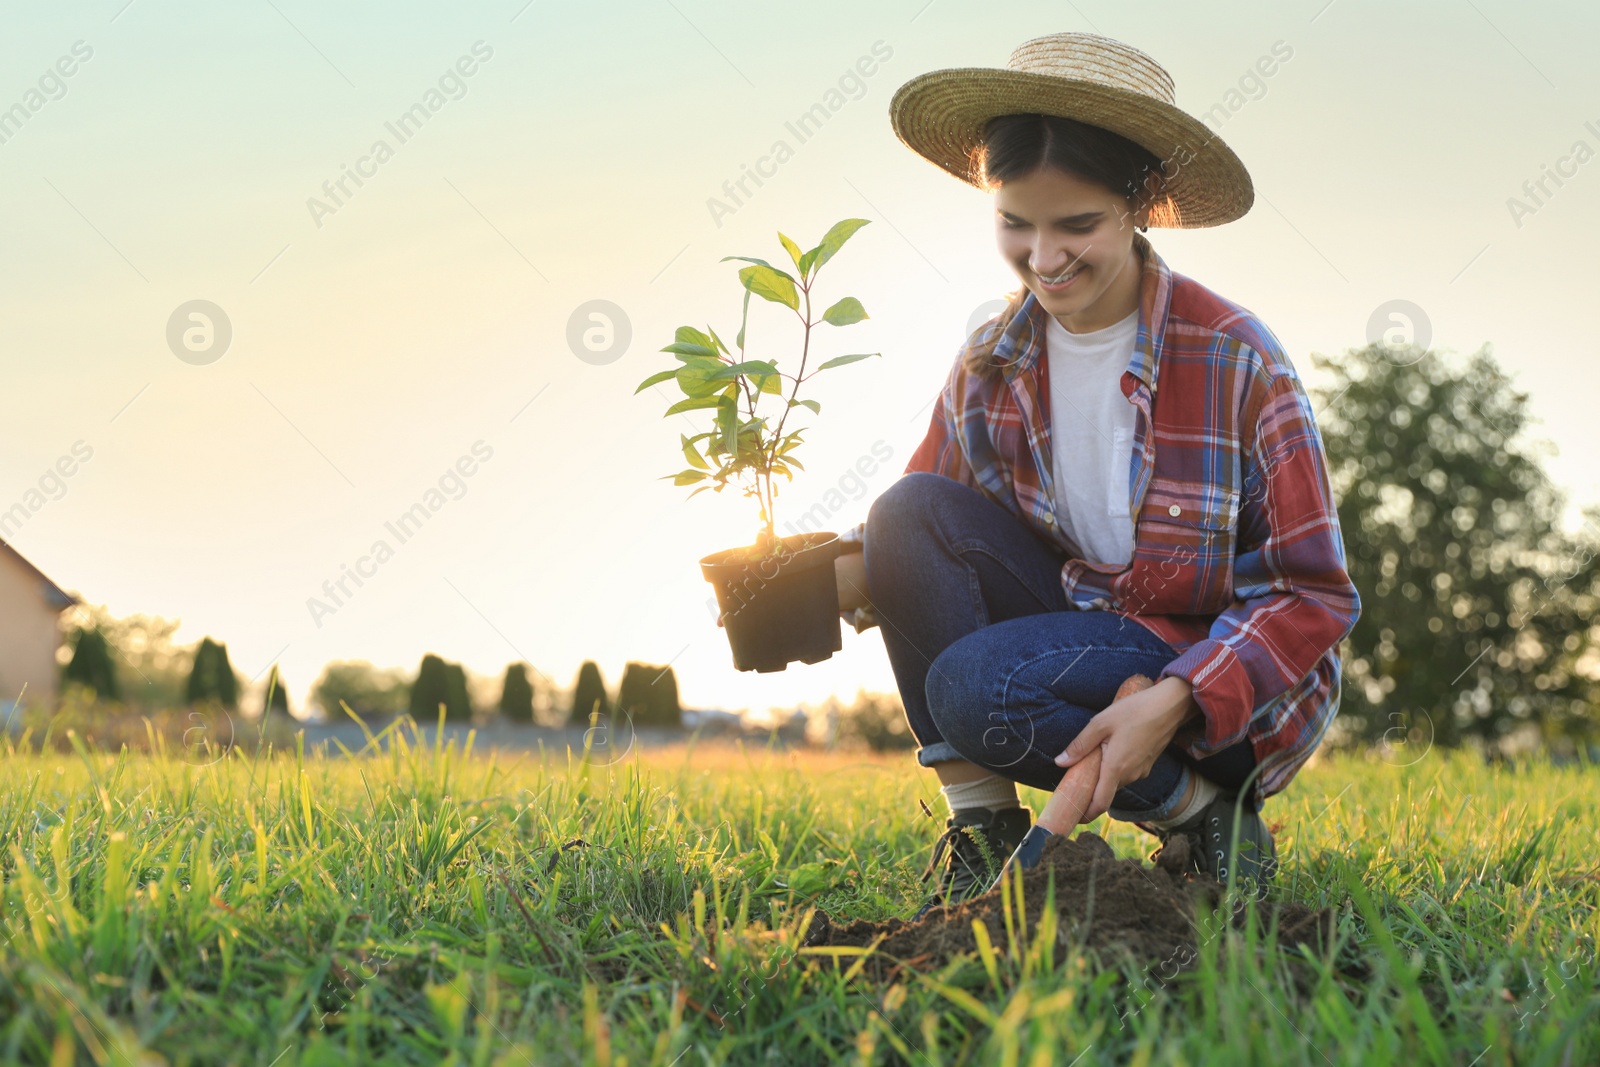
x=850 y=579
x=850 y=575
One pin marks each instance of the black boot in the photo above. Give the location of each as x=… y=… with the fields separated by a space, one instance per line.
x=975 y=843
x=1228 y=837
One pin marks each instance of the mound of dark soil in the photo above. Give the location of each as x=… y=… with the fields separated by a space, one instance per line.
x=1102 y=903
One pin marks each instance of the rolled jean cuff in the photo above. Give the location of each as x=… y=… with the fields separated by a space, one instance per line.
x=937 y=752
x=1161 y=811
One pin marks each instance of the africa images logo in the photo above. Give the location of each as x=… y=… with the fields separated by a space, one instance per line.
x=337 y=191
x=451 y=485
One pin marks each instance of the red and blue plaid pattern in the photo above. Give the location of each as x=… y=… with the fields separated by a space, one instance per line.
x=1238 y=561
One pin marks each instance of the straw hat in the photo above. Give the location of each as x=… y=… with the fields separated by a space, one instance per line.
x=940 y=115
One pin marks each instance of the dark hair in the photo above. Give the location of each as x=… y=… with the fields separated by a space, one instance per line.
x=1015 y=146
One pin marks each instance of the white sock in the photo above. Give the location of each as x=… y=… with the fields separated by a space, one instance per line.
x=1205 y=791
x=991 y=791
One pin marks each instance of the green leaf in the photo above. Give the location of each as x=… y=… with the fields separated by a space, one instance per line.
x=793 y=250
x=697 y=379
x=815 y=407
x=692 y=454
x=768 y=383
x=655 y=379
x=690 y=335
x=728 y=424
x=845 y=312
x=794 y=462
x=688 y=477
x=702 y=489
x=688 y=348
x=772 y=285
x=758 y=262
x=718 y=341
x=694 y=402
x=744 y=318
x=839 y=361
x=834 y=240
x=749 y=366
x=809 y=879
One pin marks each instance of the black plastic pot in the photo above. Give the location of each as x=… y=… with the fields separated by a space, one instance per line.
x=782 y=608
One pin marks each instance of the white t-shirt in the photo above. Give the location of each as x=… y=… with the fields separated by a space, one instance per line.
x=1091 y=436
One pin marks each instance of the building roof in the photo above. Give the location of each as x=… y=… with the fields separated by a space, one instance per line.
x=57 y=597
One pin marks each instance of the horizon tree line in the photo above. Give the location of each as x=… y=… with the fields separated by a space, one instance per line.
x=647 y=694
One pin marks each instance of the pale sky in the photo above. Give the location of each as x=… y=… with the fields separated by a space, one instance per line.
x=378 y=339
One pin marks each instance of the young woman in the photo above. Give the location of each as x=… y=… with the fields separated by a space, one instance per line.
x=1119 y=530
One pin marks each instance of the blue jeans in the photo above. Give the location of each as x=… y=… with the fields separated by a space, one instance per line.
x=995 y=665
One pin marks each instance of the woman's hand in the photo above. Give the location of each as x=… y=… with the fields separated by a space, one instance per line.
x=1132 y=732
x=850 y=575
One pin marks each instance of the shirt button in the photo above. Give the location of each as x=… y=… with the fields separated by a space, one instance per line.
x=1049 y=520
x=1174 y=511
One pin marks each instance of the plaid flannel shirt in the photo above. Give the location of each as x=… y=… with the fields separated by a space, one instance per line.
x=1238 y=560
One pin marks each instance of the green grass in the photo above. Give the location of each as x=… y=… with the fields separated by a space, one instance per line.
x=427 y=906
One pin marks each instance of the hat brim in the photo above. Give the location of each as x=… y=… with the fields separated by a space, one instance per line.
x=940 y=115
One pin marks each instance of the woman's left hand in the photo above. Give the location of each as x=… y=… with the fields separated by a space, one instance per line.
x=1132 y=731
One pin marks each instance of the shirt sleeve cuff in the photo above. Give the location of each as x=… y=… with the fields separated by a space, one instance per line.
x=853 y=539
x=862 y=619
x=1223 y=690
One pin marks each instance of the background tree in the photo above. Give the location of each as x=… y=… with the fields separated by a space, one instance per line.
x=458 y=704
x=152 y=670
x=369 y=691
x=275 y=698
x=649 y=695
x=1477 y=608
x=212 y=676
x=516 y=694
x=91 y=665
x=589 y=694
x=876 y=721
x=439 y=682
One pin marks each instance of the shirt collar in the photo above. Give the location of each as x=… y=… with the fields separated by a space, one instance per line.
x=1023 y=343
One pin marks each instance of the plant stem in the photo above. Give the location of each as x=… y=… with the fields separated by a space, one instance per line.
x=752 y=397
x=777 y=436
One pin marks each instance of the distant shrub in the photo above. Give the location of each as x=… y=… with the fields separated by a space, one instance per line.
x=589 y=694
x=439 y=682
x=516 y=694
x=876 y=720
x=275 y=698
x=458 y=701
x=91 y=665
x=648 y=695
x=369 y=691
x=152 y=670
x=212 y=677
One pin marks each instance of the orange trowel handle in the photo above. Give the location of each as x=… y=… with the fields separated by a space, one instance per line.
x=1073 y=794
x=1063 y=811
x=1072 y=797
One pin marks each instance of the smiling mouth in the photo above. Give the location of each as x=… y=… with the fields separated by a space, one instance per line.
x=1059 y=278
x=1065 y=276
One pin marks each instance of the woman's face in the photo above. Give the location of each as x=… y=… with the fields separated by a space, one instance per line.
x=1049 y=223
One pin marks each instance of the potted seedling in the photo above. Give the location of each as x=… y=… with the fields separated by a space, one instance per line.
x=777 y=597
